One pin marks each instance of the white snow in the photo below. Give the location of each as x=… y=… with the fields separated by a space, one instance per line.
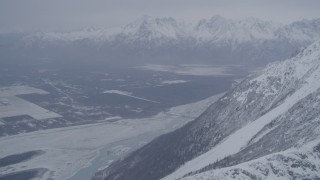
x=124 y=93
x=169 y=82
x=238 y=140
x=128 y=94
x=19 y=90
x=10 y=105
x=152 y=28
x=242 y=97
x=112 y=118
x=220 y=30
x=68 y=150
x=261 y=165
x=195 y=70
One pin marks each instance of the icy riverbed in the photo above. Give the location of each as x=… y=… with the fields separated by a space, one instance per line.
x=77 y=152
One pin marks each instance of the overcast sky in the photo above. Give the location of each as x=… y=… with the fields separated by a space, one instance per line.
x=74 y=14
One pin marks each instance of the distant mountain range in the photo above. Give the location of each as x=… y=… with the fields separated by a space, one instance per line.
x=164 y=30
x=216 y=40
x=267 y=127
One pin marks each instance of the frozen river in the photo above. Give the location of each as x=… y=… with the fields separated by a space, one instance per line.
x=78 y=152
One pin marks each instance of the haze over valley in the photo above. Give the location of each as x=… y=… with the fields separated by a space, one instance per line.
x=168 y=95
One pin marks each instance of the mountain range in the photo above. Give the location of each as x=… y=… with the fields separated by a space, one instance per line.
x=217 y=40
x=215 y=30
x=267 y=127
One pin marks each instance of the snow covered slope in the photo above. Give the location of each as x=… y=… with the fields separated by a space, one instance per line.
x=222 y=30
x=151 y=29
x=303 y=70
x=300 y=31
x=296 y=163
x=269 y=112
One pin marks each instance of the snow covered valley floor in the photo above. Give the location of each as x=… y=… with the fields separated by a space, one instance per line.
x=77 y=152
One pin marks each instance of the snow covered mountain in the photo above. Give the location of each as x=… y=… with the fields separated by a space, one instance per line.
x=267 y=127
x=144 y=29
x=216 y=29
x=305 y=30
x=222 y=30
x=217 y=40
x=152 y=29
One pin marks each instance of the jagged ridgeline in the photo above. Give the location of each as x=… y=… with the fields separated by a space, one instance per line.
x=164 y=40
x=266 y=127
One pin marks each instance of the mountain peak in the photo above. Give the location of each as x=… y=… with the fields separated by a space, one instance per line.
x=217 y=18
x=148 y=28
x=256 y=22
x=220 y=29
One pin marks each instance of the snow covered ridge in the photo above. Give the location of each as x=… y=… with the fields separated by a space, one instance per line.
x=221 y=29
x=216 y=29
x=300 y=163
x=293 y=80
x=287 y=73
x=270 y=112
x=153 y=28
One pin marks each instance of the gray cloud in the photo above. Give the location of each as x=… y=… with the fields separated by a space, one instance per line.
x=73 y=14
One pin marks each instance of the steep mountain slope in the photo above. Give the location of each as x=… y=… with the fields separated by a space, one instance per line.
x=296 y=163
x=271 y=111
